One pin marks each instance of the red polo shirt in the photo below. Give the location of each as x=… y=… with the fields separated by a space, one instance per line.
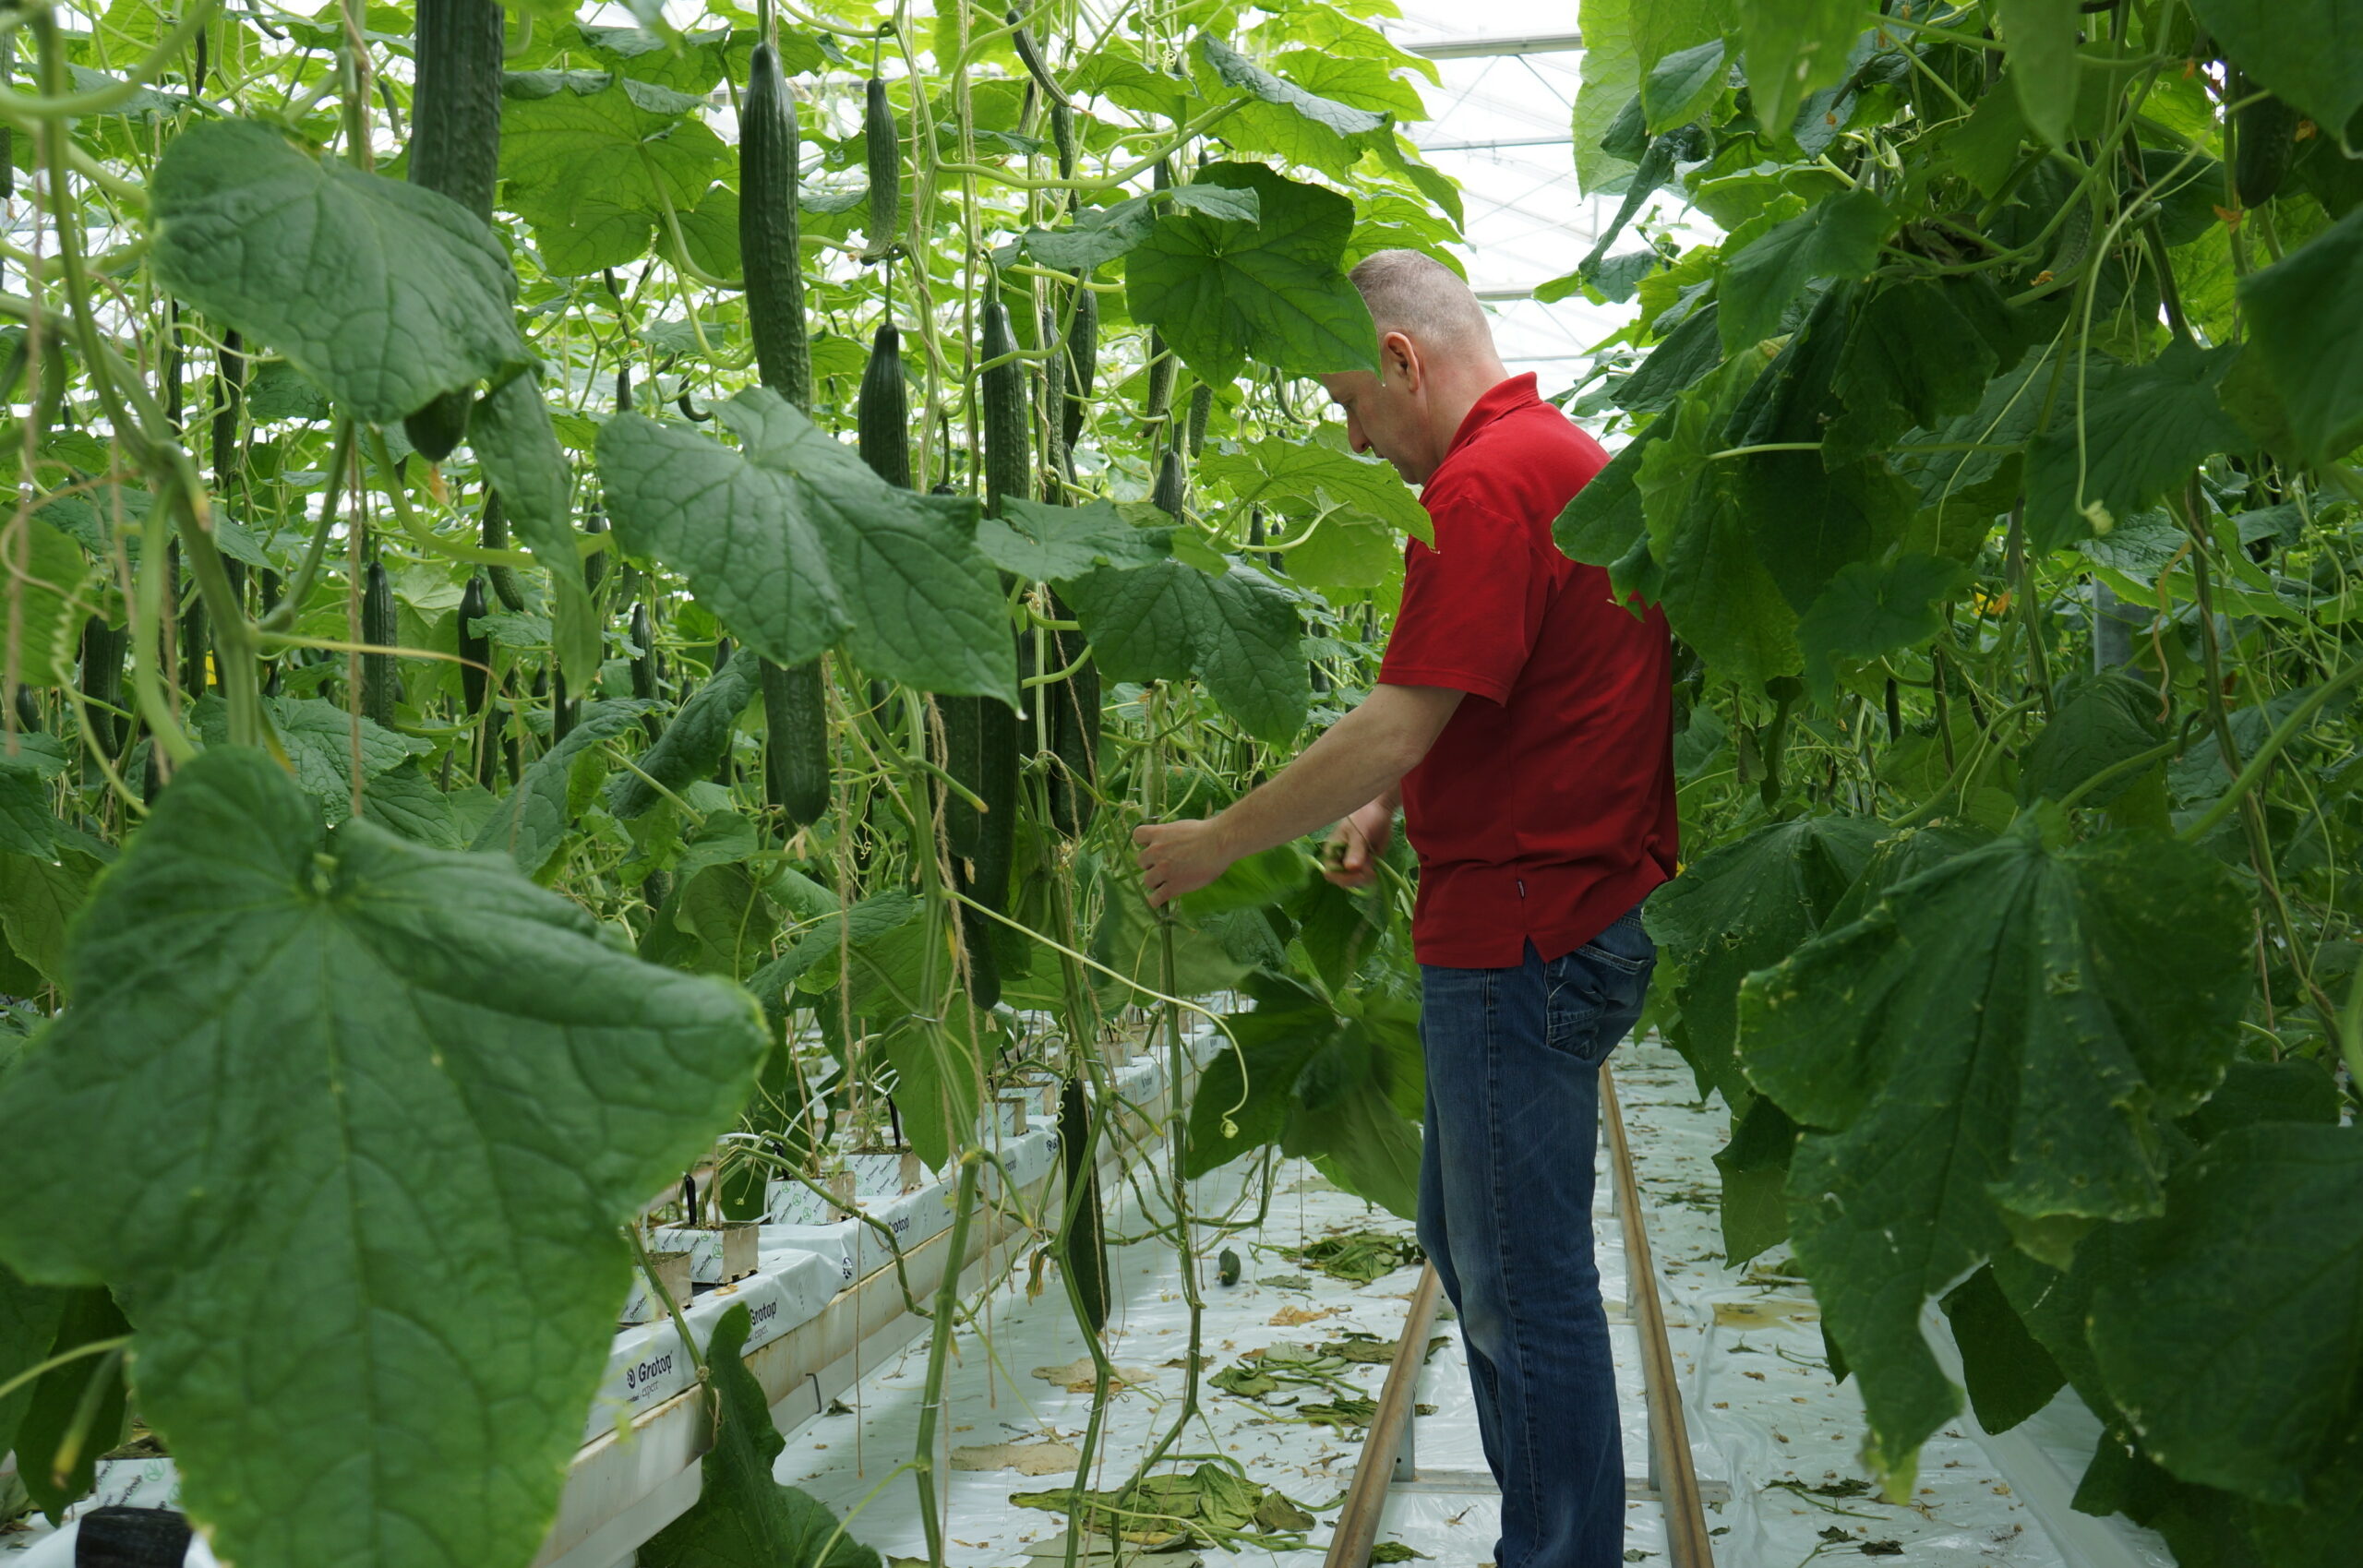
x=1546 y=807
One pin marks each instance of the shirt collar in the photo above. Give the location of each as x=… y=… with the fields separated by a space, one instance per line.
x=1502 y=397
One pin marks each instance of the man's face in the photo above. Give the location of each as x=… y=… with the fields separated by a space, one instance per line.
x=1385 y=415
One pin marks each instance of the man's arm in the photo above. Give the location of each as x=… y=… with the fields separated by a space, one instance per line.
x=1354 y=764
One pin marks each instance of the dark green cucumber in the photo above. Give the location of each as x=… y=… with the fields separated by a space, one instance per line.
x=1055 y=466
x=1158 y=405
x=27 y=711
x=379 y=629
x=1166 y=496
x=476 y=648
x=884 y=145
x=494 y=532
x=796 y=753
x=643 y=667
x=767 y=235
x=693 y=746
x=883 y=413
x=1002 y=388
x=594 y=565
x=1082 y=1248
x=455 y=148
x=2267 y=134
x=1202 y=407
x=1081 y=367
x=1074 y=729
x=1062 y=139
x=1030 y=54
x=963 y=758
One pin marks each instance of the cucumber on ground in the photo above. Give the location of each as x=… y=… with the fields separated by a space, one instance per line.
x=693 y=746
x=1001 y=388
x=455 y=148
x=795 y=751
x=1082 y=1248
x=883 y=410
x=1082 y=365
x=476 y=648
x=768 y=249
x=884 y=145
x=380 y=630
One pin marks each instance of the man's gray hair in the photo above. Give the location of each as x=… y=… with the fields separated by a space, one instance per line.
x=1422 y=298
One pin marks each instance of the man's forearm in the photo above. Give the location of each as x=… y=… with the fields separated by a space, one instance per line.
x=1362 y=757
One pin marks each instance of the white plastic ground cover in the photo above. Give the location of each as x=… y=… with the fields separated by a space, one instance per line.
x=1768 y=1421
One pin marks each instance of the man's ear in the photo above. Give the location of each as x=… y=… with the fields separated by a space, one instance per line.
x=1398 y=358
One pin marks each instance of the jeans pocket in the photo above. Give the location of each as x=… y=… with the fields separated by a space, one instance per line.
x=1595 y=996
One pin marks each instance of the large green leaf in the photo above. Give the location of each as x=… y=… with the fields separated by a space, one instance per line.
x=1869 y=610
x=1046 y=543
x=2002 y=1032
x=1223 y=290
x=87 y=1392
x=592 y=162
x=1838 y=237
x=511 y=435
x=2231 y=1340
x=1238 y=633
x=2145 y=429
x=794 y=542
x=1911 y=358
x=1611 y=79
x=1719 y=592
x=532 y=820
x=2303 y=50
x=2007 y=1373
x=390 y=1105
x=1795 y=47
x=386 y=294
x=1741 y=907
x=2111 y=719
x=324 y=742
x=43 y=574
x=1282 y=118
x=28 y=1316
x=2307 y=313
x=2041 y=63
x=743 y=1519
x=1311 y=479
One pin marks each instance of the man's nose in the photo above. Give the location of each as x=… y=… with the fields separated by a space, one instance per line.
x=1355 y=437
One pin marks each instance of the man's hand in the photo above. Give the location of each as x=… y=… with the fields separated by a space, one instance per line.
x=1180 y=857
x=1352 y=858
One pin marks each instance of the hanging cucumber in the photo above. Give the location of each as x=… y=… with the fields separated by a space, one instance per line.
x=963 y=758
x=1062 y=137
x=1166 y=496
x=1202 y=407
x=103 y=649
x=594 y=565
x=1082 y=1250
x=693 y=746
x=767 y=237
x=379 y=629
x=883 y=413
x=643 y=667
x=476 y=648
x=1074 y=729
x=455 y=148
x=1002 y=388
x=884 y=145
x=796 y=753
x=494 y=531
x=1161 y=367
x=1083 y=363
x=1055 y=466
x=2266 y=131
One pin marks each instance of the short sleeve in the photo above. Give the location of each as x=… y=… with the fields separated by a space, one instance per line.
x=1472 y=607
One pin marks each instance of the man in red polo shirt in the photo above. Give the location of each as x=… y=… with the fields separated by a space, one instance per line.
x=1523 y=724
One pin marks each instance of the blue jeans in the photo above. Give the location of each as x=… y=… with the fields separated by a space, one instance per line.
x=1505 y=1189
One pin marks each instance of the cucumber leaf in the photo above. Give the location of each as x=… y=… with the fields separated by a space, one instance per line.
x=385 y=294
x=388 y=1121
